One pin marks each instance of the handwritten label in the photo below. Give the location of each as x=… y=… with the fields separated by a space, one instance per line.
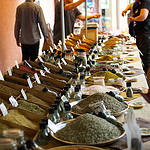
x=55 y=47
x=64 y=99
x=52 y=126
x=9 y=71
x=63 y=60
x=13 y=101
x=29 y=82
x=46 y=69
x=24 y=94
x=42 y=73
x=1 y=76
x=16 y=64
x=27 y=63
x=37 y=78
x=41 y=60
x=3 y=109
x=59 y=65
x=51 y=49
x=72 y=49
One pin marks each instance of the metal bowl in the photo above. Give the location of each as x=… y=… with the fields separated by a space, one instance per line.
x=117 y=123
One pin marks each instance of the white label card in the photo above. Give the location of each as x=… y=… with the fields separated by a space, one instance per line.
x=13 y=101
x=41 y=60
x=72 y=49
x=29 y=82
x=52 y=126
x=3 y=109
x=55 y=47
x=1 y=76
x=51 y=49
x=63 y=60
x=9 y=71
x=64 y=99
x=46 y=69
x=24 y=94
x=42 y=73
x=37 y=78
x=59 y=65
x=16 y=64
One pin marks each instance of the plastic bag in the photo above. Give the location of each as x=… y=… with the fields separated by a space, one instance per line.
x=132 y=131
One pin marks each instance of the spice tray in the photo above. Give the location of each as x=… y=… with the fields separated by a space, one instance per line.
x=28 y=131
x=76 y=147
x=118 y=124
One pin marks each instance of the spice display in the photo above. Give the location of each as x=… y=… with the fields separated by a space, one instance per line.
x=36 y=100
x=3 y=126
x=88 y=129
x=31 y=107
x=110 y=102
x=111 y=41
x=106 y=74
x=97 y=89
x=15 y=116
x=107 y=58
x=8 y=90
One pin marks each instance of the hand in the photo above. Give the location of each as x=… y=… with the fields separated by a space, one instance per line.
x=97 y=16
x=18 y=43
x=131 y=19
x=124 y=13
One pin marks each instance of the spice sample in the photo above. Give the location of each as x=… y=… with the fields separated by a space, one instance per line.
x=3 y=126
x=107 y=58
x=110 y=102
x=90 y=90
x=8 y=90
x=106 y=74
x=88 y=129
x=31 y=107
x=36 y=100
x=16 y=117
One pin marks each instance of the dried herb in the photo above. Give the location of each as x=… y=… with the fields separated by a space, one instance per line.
x=110 y=102
x=3 y=126
x=16 y=117
x=31 y=107
x=88 y=129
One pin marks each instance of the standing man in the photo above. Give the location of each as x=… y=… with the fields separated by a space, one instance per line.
x=27 y=34
x=71 y=13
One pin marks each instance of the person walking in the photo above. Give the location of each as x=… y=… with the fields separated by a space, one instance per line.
x=29 y=16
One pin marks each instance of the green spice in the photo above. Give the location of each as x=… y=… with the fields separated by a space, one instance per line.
x=110 y=102
x=88 y=129
x=31 y=107
x=8 y=90
x=15 y=116
x=36 y=100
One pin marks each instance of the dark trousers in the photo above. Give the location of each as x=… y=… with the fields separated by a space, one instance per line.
x=30 y=52
x=143 y=44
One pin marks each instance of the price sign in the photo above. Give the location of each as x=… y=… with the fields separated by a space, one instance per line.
x=1 y=76
x=29 y=82
x=63 y=60
x=9 y=71
x=46 y=69
x=52 y=126
x=59 y=65
x=16 y=64
x=3 y=109
x=13 y=101
x=41 y=60
x=24 y=94
x=51 y=49
x=37 y=78
x=42 y=73
x=64 y=99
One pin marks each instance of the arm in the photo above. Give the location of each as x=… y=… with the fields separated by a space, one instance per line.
x=143 y=15
x=81 y=17
x=42 y=23
x=17 y=29
x=71 y=6
x=129 y=7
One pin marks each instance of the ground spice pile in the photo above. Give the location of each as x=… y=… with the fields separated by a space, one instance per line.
x=88 y=129
x=15 y=116
x=110 y=102
x=31 y=107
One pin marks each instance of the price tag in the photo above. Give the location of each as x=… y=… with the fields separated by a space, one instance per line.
x=46 y=69
x=63 y=60
x=3 y=109
x=1 y=76
x=52 y=126
x=27 y=63
x=41 y=60
x=68 y=37
x=9 y=71
x=16 y=64
x=59 y=65
x=55 y=47
x=24 y=94
x=71 y=34
x=72 y=49
x=13 y=101
x=65 y=46
x=64 y=99
x=37 y=78
x=80 y=41
x=51 y=49
x=29 y=82
x=60 y=42
x=42 y=73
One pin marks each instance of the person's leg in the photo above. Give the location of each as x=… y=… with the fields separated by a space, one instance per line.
x=34 y=50
x=25 y=52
